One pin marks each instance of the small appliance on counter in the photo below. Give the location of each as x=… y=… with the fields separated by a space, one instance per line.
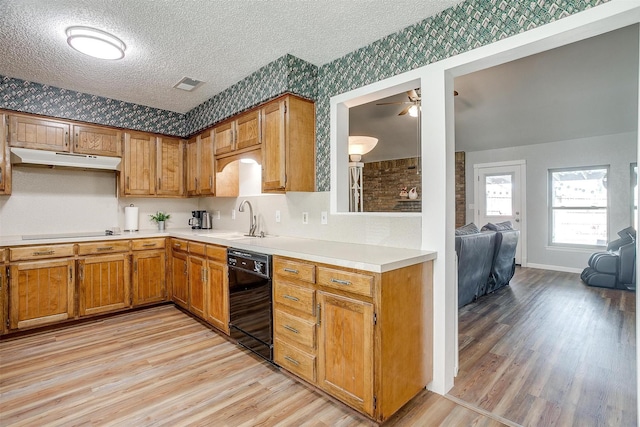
x=205 y=220
x=200 y=219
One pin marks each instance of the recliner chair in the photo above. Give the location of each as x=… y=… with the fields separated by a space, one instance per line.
x=615 y=268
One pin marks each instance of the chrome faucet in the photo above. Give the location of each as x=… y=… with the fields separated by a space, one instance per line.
x=252 y=218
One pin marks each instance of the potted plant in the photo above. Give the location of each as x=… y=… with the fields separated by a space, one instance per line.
x=160 y=217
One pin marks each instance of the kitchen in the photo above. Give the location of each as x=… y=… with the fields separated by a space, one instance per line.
x=110 y=211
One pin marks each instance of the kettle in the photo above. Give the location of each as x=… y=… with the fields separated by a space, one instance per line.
x=205 y=220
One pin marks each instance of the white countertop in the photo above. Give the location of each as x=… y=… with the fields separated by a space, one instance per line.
x=378 y=259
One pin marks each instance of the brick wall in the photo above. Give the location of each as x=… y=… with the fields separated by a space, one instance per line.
x=382 y=182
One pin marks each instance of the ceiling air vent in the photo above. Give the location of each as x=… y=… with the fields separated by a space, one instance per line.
x=188 y=84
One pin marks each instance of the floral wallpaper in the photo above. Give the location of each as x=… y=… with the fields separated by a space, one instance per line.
x=461 y=28
x=286 y=74
x=466 y=26
x=36 y=98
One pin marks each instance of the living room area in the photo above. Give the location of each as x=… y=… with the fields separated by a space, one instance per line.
x=546 y=149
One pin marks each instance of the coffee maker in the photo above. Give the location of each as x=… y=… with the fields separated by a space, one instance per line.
x=196 y=219
x=200 y=219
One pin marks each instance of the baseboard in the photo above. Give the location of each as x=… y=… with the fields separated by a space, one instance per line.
x=555 y=268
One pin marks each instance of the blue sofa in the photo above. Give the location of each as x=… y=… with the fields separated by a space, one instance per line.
x=486 y=260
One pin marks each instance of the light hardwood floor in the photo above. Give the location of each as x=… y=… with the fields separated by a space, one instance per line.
x=549 y=351
x=160 y=367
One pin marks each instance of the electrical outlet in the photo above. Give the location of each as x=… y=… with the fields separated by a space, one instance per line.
x=323 y=218
x=233 y=214
x=216 y=214
x=277 y=216
x=305 y=217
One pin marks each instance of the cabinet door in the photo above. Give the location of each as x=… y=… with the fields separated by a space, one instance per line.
x=104 y=283
x=139 y=164
x=3 y=295
x=193 y=167
x=345 y=350
x=180 y=276
x=206 y=159
x=223 y=137
x=248 y=130
x=41 y=292
x=5 y=164
x=273 y=147
x=43 y=134
x=96 y=140
x=217 y=296
x=170 y=170
x=149 y=278
x=197 y=279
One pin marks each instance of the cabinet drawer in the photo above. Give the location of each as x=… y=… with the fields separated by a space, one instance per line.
x=179 y=245
x=217 y=253
x=294 y=270
x=103 y=247
x=296 y=297
x=294 y=329
x=197 y=248
x=3 y=255
x=296 y=361
x=143 y=244
x=347 y=281
x=40 y=252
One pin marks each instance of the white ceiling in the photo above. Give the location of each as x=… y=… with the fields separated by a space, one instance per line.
x=584 y=89
x=217 y=41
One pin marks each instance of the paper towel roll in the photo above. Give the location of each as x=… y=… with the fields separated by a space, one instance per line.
x=131 y=218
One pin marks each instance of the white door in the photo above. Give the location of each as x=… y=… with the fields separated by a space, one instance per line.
x=500 y=196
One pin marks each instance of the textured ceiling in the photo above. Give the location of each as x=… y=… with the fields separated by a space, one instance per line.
x=584 y=89
x=216 y=41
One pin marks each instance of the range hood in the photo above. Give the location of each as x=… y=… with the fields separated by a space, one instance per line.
x=51 y=158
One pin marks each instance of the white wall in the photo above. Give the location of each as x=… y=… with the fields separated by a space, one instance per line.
x=369 y=229
x=46 y=201
x=617 y=151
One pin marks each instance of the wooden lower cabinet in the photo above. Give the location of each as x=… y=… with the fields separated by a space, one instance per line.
x=217 y=295
x=42 y=292
x=345 y=351
x=180 y=278
x=149 y=277
x=364 y=338
x=197 y=281
x=104 y=284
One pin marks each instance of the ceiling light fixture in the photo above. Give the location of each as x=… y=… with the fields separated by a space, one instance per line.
x=96 y=43
x=413 y=111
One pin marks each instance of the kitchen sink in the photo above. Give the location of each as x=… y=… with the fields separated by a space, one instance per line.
x=230 y=235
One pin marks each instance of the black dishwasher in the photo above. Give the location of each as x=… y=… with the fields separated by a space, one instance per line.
x=250 y=311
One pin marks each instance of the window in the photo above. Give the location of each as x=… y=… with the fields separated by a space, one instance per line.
x=578 y=206
x=498 y=200
x=634 y=195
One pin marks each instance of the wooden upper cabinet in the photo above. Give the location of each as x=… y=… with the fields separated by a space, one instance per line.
x=223 y=136
x=288 y=145
x=97 y=141
x=5 y=164
x=192 y=167
x=248 y=131
x=207 y=164
x=138 y=176
x=38 y=133
x=274 y=149
x=200 y=165
x=170 y=169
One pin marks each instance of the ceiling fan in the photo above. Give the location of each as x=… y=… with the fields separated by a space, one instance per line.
x=414 y=102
